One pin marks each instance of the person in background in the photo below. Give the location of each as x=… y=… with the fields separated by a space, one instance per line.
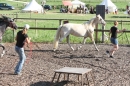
x=107 y=10
x=21 y=39
x=116 y=11
x=113 y=38
x=91 y=10
x=86 y=11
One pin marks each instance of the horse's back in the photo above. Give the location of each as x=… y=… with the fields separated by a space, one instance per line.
x=74 y=29
x=73 y=25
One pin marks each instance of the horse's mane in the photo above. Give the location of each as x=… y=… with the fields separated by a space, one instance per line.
x=1 y=20
x=90 y=21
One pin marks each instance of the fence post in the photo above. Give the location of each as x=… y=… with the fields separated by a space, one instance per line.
x=13 y=35
x=103 y=27
x=121 y=24
x=30 y=14
x=16 y=16
x=66 y=21
x=121 y=29
x=96 y=36
x=60 y=23
x=36 y=26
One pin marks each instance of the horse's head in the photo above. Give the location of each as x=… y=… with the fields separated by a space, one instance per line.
x=100 y=19
x=10 y=22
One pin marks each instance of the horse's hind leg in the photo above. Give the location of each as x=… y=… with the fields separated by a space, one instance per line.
x=68 y=41
x=3 y=52
x=84 y=40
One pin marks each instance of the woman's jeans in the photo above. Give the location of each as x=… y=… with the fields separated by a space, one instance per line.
x=22 y=59
x=114 y=41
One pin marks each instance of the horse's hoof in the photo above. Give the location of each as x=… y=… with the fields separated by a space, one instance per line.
x=2 y=55
x=97 y=50
x=4 y=52
x=72 y=49
x=79 y=47
x=54 y=49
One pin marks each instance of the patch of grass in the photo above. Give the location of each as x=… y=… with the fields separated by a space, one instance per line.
x=47 y=36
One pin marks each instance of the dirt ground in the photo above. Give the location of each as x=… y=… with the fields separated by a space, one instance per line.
x=41 y=63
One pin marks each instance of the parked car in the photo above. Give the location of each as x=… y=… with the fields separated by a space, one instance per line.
x=47 y=7
x=5 y=6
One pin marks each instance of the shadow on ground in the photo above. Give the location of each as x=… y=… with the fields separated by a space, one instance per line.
x=47 y=83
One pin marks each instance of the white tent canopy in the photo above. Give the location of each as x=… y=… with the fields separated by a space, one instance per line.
x=33 y=6
x=77 y=2
x=127 y=9
x=109 y=4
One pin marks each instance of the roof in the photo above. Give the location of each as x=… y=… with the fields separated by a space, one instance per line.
x=67 y=3
x=109 y=5
x=33 y=6
x=77 y=2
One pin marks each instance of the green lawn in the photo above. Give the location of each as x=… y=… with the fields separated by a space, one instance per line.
x=48 y=36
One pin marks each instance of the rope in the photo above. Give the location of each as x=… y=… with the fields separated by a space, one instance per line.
x=120 y=34
x=27 y=60
x=30 y=53
x=127 y=38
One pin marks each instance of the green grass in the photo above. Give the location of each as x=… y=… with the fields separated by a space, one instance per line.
x=47 y=36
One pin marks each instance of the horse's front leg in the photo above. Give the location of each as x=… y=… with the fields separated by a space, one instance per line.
x=3 y=52
x=84 y=40
x=68 y=41
x=92 y=38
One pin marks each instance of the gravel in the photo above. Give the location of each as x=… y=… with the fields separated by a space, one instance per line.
x=42 y=61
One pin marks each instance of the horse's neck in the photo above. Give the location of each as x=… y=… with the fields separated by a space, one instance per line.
x=94 y=22
x=1 y=20
x=3 y=27
x=91 y=22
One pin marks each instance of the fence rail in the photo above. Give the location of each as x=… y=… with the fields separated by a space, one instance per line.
x=60 y=23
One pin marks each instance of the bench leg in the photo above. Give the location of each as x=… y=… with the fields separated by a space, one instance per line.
x=58 y=77
x=81 y=80
x=87 y=79
x=92 y=77
x=67 y=79
x=53 y=78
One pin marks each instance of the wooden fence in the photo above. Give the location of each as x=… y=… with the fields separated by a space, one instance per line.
x=62 y=20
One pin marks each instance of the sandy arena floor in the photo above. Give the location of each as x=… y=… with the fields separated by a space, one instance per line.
x=39 y=68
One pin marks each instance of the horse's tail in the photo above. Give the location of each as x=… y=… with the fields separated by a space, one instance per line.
x=56 y=41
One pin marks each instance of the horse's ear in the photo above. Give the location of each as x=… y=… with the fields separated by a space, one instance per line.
x=3 y=16
x=13 y=19
x=98 y=15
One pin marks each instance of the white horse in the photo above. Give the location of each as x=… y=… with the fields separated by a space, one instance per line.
x=80 y=30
